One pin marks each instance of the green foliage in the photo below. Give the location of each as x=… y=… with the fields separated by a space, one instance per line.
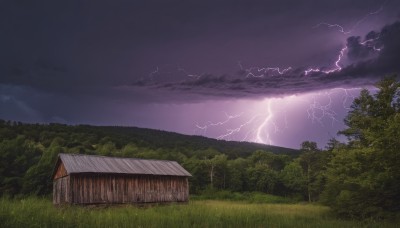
x=262 y=179
x=37 y=179
x=16 y=157
x=363 y=177
x=293 y=178
x=237 y=178
x=200 y=176
x=313 y=163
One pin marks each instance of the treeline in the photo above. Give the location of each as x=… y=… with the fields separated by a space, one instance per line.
x=357 y=179
x=28 y=153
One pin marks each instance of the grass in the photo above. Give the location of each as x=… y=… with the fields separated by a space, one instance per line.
x=250 y=197
x=36 y=212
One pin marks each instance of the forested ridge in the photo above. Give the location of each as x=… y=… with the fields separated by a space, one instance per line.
x=86 y=137
x=29 y=151
x=359 y=178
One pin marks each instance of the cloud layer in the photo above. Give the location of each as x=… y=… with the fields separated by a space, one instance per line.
x=106 y=62
x=367 y=60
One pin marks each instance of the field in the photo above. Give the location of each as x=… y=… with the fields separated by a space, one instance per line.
x=35 y=212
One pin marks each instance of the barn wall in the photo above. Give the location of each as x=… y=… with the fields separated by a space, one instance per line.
x=61 y=190
x=100 y=188
x=61 y=171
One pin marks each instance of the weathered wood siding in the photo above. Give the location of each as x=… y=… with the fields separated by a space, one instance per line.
x=61 y=190
x=110 y=189
x=61 y=171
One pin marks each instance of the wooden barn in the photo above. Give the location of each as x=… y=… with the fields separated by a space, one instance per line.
x=89 y=179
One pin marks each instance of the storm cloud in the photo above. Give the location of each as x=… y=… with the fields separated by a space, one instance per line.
x=369 y=59
x=160 y=63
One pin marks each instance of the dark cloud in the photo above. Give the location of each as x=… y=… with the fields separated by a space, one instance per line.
x=107 y=43
x=387 y=62
x=74 y=60
x=357 y=51
x=366 y=65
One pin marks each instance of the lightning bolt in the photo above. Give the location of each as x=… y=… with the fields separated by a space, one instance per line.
x=341 y=29
x=266 y=119
x=231 y=132
x=367 y=43
x=325 y=111
x=151 y=75
x=318 y=111
x=259 y=72
x=337 y=65
x=263 y=125
x=371 y=43
x=344 y=49
x=269 y=116
x=190 y=75
x=220 y=123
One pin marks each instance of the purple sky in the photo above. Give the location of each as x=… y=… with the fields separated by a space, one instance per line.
x=204 y=67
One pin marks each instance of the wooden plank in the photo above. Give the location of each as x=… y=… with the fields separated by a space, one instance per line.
x=61 y=171
x=61 y=190
x=109 y=189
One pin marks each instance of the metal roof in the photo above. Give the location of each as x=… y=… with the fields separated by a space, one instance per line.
x=77 y=163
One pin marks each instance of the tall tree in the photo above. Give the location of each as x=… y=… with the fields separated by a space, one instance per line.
x=37 y=179
x=294 y=179
x=363 y=178
x=218 y=162
x=308 y=160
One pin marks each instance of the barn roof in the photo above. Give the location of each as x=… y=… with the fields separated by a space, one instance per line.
x=77 y=163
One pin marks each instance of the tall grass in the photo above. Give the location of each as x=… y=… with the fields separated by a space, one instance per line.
x=34 y=212
x=250 y=197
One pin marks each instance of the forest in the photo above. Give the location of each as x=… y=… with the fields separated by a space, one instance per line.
x=357 y=179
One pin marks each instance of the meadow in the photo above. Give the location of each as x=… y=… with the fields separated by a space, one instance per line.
x=40 y=212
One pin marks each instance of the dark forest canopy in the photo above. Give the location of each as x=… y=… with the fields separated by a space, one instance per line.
x=356 y=179
x=33 y=148
x=85 y=135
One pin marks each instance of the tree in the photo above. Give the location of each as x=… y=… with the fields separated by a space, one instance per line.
x=237 y=178
x=273 y=161
x=333 y=144
x=263 y=171
x=308 y=146
x=217 y=162
x=293 y=178
x=314 y=163
x=199 y=178
x=107 y=148
x=362 y=177
x=129 y=150
x=37 y=179
x=308 y=160
x=16 y=156
x=262 y=178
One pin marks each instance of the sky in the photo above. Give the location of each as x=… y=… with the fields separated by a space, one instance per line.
x=272 y=72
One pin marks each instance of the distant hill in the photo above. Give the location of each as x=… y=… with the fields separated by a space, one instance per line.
x=85 y=135
x=163 y=139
